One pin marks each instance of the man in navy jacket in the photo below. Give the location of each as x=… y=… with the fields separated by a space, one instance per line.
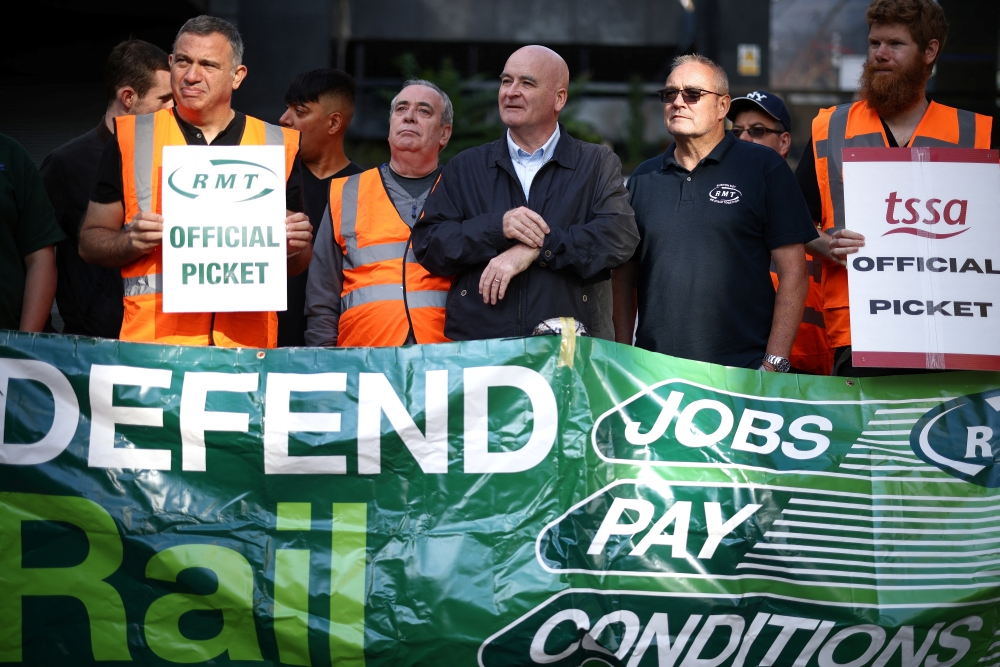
x=530 y=225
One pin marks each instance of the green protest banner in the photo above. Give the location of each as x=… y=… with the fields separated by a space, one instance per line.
x=544 y=501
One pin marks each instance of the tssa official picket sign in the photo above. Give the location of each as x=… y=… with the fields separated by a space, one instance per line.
x=224 y=229
x=552 y=501
x=925 y=288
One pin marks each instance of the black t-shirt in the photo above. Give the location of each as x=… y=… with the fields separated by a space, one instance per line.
x=316 y=194
x=27 y=224
x=109 y=190
x=89 y=297
x=705 y=289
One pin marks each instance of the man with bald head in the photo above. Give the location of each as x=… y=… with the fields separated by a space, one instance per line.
x=531 y=224
x=713 y=212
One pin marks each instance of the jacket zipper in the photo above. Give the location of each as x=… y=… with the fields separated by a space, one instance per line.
x=520 y=282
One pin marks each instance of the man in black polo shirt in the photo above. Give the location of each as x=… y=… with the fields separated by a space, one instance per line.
x=712 y=212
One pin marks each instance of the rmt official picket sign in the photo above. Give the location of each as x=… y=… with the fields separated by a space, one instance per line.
x=223 y=229
x=925 y=288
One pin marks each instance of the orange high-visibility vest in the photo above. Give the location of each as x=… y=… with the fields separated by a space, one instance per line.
x=141 y=140
x=378 y=307
x=857 y=125
x=811 y=351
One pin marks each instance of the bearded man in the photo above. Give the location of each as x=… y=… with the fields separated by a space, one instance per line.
x=905 y=39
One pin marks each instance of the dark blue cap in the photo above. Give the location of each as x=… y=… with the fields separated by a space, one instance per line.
x=767 y=102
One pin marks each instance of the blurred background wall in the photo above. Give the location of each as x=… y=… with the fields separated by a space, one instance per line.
x=618 y=52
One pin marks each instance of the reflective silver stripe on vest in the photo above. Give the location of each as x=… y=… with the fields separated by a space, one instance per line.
x=148 y=284
x=815 y=269
x=273 y=136
x=966 y=134
x=371 y=294
x=349 y=213
x=380 y=252
x=835 y=145
x=427 y=299
x=814 y=317
x=142 y=164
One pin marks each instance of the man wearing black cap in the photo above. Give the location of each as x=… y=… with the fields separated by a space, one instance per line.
x=762 y=118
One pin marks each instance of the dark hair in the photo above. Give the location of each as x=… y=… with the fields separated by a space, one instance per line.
x=310 y=86
x=133 y=63
x=924 y=19
x=209 y=25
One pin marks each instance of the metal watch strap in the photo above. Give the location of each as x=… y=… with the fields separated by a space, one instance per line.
x=780 y=364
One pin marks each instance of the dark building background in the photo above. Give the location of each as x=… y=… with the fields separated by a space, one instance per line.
x=618 y=52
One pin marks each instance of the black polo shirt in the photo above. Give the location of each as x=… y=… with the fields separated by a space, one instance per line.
x=109 y=189
x=705 y=290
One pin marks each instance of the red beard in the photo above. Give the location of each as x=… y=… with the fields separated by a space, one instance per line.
x=895 y=93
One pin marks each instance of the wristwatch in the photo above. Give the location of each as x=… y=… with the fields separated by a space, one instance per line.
x=781 y=365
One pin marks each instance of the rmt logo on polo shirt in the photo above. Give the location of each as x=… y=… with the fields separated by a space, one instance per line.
x=723 y=193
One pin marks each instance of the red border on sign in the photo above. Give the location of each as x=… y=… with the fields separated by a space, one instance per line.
x=946 y=361
x=975 y=155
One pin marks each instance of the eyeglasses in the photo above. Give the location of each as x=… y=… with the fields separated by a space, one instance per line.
x=757 y=131
x=689 y=95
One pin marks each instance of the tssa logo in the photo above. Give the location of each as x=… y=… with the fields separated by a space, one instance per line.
x=723 y=193
x=962 y=438
x=231 y=181
x=953 y=213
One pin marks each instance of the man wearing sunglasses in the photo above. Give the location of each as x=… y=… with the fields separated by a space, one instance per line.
x=712 y=212
x=762 y=118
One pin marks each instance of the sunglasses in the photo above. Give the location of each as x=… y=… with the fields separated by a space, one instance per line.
x=689 y=95
x=757 y=131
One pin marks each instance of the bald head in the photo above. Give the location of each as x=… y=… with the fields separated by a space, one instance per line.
x=543 y=60
x=533 y=90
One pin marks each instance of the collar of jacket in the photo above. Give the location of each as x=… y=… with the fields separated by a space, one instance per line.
x=566 y=153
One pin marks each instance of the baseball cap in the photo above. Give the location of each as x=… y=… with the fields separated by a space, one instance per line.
x=767 y=102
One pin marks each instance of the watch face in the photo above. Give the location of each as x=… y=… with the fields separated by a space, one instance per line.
x=780 y=364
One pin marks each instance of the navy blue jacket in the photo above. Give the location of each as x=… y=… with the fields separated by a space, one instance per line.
x=580 y=195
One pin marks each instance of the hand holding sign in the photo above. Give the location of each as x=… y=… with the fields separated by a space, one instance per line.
x=298 y=233
x=844 y=242
x=145 y=232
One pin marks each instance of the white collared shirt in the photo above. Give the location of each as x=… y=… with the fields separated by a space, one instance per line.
x=526 y=165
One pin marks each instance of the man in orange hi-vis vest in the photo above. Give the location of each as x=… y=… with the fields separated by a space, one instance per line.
x=205 y=68
x=905 y=39
x=365 y=287
x=762 y=118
